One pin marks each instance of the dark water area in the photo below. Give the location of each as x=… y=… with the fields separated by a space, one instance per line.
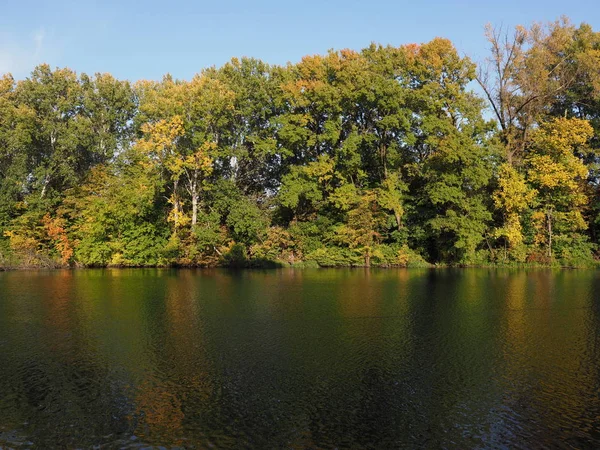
x=300 y=359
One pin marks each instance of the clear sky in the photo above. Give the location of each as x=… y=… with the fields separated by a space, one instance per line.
x=146 y=39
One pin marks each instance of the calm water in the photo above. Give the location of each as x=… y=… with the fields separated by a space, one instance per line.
x=300 y=359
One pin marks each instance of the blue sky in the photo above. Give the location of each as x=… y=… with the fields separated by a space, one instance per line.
x=146 y=39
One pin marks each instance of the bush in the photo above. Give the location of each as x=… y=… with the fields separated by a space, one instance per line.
x=236 y=256
x=574 y=251
x=396 y=255
x=335 y=257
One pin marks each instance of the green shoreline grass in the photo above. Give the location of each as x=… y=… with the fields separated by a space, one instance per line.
x=265 y=264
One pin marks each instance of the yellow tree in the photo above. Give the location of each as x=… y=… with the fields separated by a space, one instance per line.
x=389 y=196
x=526 y=71
x=160 y=145
x=364 y=219
x=511 y=198
x=559 y=176
x=209 y=105
x=198 y=111
x=197 y=167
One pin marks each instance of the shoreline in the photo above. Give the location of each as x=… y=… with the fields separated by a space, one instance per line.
x=301 y=267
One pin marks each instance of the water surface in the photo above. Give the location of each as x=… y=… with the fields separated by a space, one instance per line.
x=300 y=359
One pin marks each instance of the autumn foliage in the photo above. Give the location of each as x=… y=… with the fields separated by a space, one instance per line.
x=385 y=156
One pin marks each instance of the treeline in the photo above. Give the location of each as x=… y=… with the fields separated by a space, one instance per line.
x=384 y=157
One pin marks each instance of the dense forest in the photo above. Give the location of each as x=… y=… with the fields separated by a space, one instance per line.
x=390 y=156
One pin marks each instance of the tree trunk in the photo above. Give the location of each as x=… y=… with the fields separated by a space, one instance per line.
x=175 y=204
x=398 y=220
x=383 y=156
x=194 y=208
x=549 y=215
x=46 y=182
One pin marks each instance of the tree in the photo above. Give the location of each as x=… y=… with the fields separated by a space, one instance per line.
x=526 y=72
x=114 y=215
x=59 y=156
x=453 y=160
x=160 y=145
x=16 y=131
x=558 y=176
x=254 y=103
x=381 y=156
x=511 y=198
x=360 y=231
x=108 y=106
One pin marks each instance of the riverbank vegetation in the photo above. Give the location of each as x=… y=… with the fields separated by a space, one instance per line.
x=388 y=156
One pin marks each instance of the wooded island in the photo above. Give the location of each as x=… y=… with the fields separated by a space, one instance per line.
x=390 y=156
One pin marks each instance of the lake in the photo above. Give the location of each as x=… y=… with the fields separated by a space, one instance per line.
x=358 y=358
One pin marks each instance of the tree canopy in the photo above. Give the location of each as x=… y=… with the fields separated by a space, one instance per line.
x=386 y=156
